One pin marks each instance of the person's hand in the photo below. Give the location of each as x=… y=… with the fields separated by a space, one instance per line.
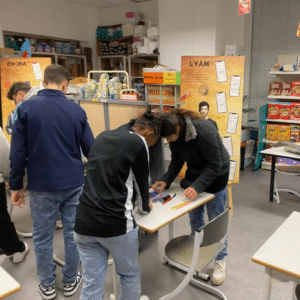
x=18 y=198
x=159 y=186
x=190 y=193
x=151 y=205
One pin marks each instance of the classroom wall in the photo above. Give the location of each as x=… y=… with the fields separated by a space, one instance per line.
x=186 y=28
x=117 y=15
x=51 y=18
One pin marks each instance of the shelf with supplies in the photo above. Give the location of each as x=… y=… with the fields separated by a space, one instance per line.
x=164 y=96
x=63 y=52
x=284 y=121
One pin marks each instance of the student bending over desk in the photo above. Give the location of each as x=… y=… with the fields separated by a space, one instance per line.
x=117 y=173
x=198 y=143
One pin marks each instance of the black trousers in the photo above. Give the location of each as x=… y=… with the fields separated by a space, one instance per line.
x=9 y=241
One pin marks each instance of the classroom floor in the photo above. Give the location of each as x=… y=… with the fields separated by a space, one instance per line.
x=254 y=221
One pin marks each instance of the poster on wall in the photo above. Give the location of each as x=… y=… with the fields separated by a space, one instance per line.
x=28 y=70
x=217 y=80
x=244 y=7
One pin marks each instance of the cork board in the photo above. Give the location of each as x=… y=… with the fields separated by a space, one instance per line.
x=120 y=114
x=95 y=115
x=19 y=69
x=217 y=80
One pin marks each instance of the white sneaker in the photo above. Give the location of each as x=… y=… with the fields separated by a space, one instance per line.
x=19 y=256
x=219 y=274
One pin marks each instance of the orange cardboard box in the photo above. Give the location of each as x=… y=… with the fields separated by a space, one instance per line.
x=285 y=111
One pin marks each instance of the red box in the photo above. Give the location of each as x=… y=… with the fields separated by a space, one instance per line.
x=285 y=111
x=273 y=110
x=295 y=111
x=296 y=88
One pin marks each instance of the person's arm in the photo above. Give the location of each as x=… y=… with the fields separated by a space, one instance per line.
x=9 y=123
x=4 y=155
x=19 y=152
x=175 y=166
x=140 y=169
x=209 y=147
x=87 y=138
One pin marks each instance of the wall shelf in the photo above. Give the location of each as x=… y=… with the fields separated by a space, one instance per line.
x=283 y=121
x=284 y=97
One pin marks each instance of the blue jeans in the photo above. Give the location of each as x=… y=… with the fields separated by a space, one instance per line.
x=44 y=211
x=214 y=208
x=94 y=252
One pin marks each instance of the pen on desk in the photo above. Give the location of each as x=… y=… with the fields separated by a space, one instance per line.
x=181 y=205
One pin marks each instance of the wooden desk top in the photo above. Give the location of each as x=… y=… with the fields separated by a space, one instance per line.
x=8 y=285
x=162 y=214
x=281 y=251
x=279 y=151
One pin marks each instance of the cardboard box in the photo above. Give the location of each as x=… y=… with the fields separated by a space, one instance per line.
x=273 y=110
x=295 y=112
x=272 y=132
x=275 y=88
x=285 y=111
x=296 y=88
x=286 y=88
x=7 y=51
x=295 y=132
x=283 y=132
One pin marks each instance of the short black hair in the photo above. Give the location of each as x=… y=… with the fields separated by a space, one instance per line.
x=56 y=74
x=17 y=87
x=203 y=103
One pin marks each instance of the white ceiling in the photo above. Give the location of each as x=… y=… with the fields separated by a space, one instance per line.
x=103 y=3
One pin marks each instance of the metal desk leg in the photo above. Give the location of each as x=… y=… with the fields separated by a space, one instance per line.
x=267 y=284
x=272 y=178
x=116 y=279
x=171 y=233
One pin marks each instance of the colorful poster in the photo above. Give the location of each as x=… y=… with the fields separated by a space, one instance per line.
x=28 y=70
x=244 y=7
x=217 y=80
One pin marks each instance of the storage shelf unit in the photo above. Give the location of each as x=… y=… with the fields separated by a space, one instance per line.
x=284 y=97
x=283 y=121
x=50 y=41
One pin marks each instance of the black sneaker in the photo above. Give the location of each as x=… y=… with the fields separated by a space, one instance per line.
x=47 y=293
x=71 y=288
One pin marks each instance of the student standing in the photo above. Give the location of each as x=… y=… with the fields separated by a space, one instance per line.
x=9 y=242
x=117 y=175
x=47 y=137
x=198 y=143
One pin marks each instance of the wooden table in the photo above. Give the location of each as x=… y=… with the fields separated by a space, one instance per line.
x=277 y=152
x=8 y=285
x=162 y=215
x=280 y=255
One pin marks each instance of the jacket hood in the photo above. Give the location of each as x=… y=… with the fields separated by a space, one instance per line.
x=190 y=130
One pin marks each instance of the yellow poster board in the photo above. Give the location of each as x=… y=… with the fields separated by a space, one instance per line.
x=30 y=70
x=217 y=80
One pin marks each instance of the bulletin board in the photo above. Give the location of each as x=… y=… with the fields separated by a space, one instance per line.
x=217 y=80
x=30 y=70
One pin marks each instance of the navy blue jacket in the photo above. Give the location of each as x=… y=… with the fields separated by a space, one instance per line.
x=46 y=138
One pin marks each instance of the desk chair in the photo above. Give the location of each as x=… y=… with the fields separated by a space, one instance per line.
x=193 y=253
x=276 y=190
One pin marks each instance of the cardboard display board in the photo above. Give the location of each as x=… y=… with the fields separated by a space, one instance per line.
x=217 y=80
x=30 y=70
